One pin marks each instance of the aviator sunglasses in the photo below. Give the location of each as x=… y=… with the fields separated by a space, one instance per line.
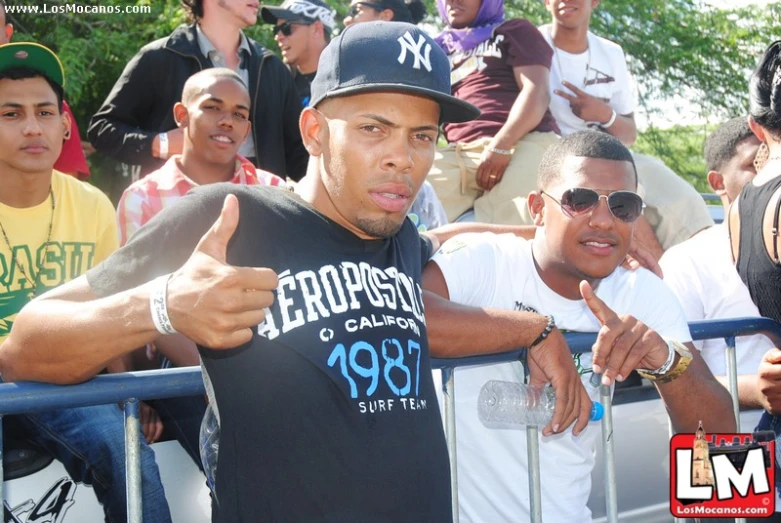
x=624 y=205
x=287 y=28
x=353 y=11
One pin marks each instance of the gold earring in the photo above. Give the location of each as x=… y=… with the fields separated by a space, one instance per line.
x=763 y=153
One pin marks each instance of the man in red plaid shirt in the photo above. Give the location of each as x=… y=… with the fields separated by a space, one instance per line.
x=214 y=113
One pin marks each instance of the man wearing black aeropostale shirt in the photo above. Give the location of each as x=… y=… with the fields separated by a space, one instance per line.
x=307 y=308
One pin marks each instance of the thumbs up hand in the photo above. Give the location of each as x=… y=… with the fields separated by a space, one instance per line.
x=623 y=343
x=212 y=303
x=215 y=242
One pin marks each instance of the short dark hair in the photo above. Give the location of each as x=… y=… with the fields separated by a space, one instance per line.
x=584 y=144
x=410 y=11
x=722 y=144
x=193 y=82
x=23 y=73
x=194 y=9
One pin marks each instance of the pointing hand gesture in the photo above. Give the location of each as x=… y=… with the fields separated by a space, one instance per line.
x=584 y=106
x=212 y=303
x=623 y=342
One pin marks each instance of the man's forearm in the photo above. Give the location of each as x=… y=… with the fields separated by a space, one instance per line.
x=122 y=364
x=126 y=143
x=697 y=396
x=179 y=350
x=66 y=341
x=525 y=115
x=644 y=236
x=749 y=396
x=625 y=129
x=457 y=330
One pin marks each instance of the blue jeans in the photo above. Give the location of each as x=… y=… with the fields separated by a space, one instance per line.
x=90 y=443
x=182 y=419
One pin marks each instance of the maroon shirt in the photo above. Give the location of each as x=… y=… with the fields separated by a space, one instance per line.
x=484 y=77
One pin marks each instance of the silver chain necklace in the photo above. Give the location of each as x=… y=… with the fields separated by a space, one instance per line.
x=45 y=251
x=588 y=62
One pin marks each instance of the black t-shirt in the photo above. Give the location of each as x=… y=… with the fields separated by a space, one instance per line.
x=329 y=414
x=303 y=83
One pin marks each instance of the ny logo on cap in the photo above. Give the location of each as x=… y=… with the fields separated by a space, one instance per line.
x=408 y=43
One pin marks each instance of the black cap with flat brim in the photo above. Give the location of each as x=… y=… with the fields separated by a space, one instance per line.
x=32 y=56
x=388 y=57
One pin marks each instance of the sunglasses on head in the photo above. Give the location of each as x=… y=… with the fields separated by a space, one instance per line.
x=287 y=28
x=353 y=11
x=624 y=205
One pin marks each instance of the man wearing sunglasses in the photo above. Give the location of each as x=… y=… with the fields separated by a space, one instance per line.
x=585 y=207
x=302 y=29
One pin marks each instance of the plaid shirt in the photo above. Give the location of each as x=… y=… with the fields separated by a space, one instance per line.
x=159 y=189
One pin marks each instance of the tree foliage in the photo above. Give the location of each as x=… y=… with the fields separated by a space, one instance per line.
x=682 y=147
x=686 y=49
x=683 y=47
x=675 y=48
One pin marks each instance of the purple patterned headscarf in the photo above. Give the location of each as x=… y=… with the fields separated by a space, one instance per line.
x=490 y=15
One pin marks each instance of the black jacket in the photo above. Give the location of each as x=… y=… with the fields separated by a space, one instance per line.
x=141 y=105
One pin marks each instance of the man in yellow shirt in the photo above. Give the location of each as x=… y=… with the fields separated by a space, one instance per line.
x=54 y=228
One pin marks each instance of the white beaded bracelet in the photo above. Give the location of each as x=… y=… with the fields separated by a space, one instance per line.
x=158 y=305
x=610 y=122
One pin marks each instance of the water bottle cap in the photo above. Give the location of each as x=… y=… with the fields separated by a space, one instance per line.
x=597 y=411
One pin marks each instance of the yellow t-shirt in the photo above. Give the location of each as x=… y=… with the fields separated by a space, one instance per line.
x=84 y=232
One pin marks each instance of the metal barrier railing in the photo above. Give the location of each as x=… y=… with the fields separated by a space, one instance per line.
x=128 y=388
x=132 y=387
x=582 y=342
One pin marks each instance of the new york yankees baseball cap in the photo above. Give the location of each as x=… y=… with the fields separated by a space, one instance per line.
x=388 y=56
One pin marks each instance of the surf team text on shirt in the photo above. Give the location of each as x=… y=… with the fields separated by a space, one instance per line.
x=382 y=297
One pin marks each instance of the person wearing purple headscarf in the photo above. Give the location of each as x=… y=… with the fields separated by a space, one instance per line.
x=490 y=15
x=502 y=67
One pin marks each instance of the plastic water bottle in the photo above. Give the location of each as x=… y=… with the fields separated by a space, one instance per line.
x=210 y=446
x=505 y=402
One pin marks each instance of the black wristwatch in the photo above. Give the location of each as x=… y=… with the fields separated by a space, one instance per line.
x=546 y=331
